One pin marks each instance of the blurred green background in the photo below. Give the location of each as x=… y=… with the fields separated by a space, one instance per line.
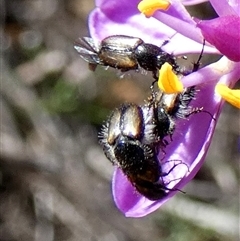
x=55 y=182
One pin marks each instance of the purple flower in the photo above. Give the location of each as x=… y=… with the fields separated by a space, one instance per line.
x=192 y=137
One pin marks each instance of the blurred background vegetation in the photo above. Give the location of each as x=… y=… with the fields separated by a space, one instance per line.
x=55 y=182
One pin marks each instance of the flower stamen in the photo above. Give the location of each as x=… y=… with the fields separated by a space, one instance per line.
x=168 y=81
x=230 y=95
x=148 y=7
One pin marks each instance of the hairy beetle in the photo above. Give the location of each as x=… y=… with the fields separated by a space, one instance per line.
x=128 y=140
x=132 y=135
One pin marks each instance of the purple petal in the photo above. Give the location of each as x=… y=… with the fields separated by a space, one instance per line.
x=225 y=7
x=222 y=70
x=187 y=35
x=224 y=34
x=186 y=39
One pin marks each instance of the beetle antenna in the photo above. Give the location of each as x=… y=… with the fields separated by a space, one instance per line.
x=197 y=64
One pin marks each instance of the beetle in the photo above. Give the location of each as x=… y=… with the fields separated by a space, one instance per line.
x=133 y=135
x=128 y=140
x=125 y=53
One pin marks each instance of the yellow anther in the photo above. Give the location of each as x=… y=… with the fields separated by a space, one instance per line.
x=231 y=96
x=148 y=7
x=169 y=82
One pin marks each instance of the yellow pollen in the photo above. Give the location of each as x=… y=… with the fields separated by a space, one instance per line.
x=169 y=82
x=231 y=96
x=148 y=7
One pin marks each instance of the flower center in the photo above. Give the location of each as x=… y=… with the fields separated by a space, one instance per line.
x=148 y=7
x=231 y=96
x=168 y=81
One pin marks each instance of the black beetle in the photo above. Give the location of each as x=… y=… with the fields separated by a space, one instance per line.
x=128 y=140
x=133 y=135
x=124 y=53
